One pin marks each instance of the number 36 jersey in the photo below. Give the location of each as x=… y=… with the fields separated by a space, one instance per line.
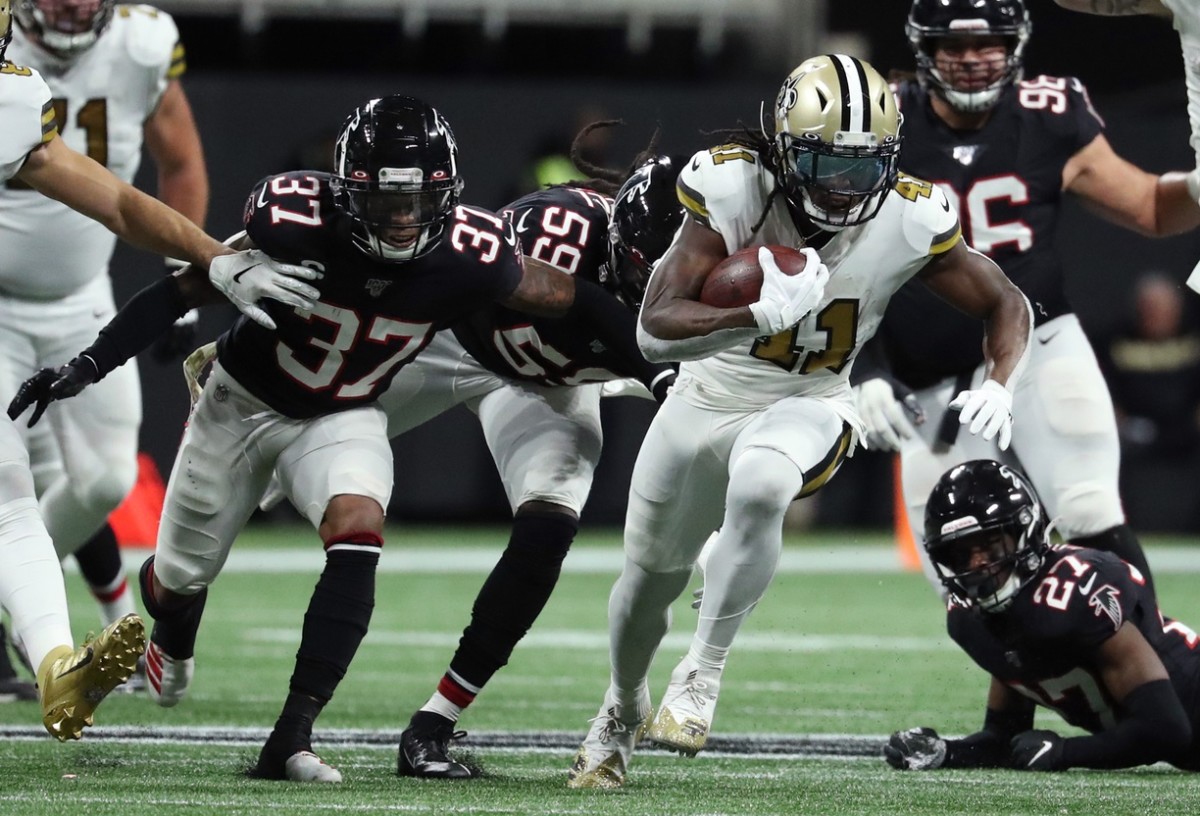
x=373 y=316
x=102 y=100
x=727 y=189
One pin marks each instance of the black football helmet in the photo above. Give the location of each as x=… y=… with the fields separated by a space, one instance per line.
x=931 y=19
x=646 y=215
x=395 y=172
x=64 y=29
x=971 y=505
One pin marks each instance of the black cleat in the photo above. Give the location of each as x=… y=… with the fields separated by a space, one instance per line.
x=424 y=752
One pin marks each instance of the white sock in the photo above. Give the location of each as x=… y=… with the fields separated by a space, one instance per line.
x=31 y=582
x=115 y=599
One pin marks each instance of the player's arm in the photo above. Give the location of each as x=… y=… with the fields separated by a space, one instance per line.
x=1117 y=8
x=56 y=171
x=1152 y=724
x=549 y=292
x=174 y=144
x=1128 y=196
x=921 y=749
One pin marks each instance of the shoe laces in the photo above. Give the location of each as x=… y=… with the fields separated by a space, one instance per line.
x=696 y=690
x=611 y=726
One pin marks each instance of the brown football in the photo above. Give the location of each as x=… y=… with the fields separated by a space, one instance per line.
x=736 y=281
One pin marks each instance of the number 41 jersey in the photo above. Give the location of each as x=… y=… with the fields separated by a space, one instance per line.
x=372 y=316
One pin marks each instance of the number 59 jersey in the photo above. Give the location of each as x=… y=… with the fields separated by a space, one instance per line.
x=102 y=100
x=728 y=189
x=373 y=316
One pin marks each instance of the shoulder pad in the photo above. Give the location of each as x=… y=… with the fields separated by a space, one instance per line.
x=150 y=36
x=26 y=111
x=721 y=183
x=930 y=223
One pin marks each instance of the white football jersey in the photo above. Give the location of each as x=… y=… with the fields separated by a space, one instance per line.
x=102 y=99
x=28 y=117
x=727 y=189
x=1187 y=23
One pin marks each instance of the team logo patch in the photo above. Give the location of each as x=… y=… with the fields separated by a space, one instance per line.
x=1107 y=601
x=377 y=286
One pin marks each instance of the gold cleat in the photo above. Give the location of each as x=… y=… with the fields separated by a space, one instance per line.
x=685 y=715
x=71 y=683
x=686 y=737
x=604 y=756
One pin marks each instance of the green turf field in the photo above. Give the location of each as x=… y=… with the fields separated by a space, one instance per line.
x=834 y=659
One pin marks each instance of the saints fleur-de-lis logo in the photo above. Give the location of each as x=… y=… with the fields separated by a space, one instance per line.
x=787 y=96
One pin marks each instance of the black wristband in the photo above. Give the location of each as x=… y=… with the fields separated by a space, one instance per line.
x=1153 y=726
x=148 y=314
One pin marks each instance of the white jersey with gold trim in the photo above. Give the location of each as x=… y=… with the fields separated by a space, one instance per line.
x=727 y=188
x=102 y=99
x=28 y=117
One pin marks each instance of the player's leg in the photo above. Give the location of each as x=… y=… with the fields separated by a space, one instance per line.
x=675 y=501
x=1065 y=433
x=789 y=450
x=222 y=467
x=71 y=682
x=546 y=443
x=338 y=472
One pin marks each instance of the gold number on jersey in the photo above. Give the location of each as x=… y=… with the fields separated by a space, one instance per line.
x=913 y=188
x=839 y=321
x=93 y=119
x=128 y=11
x=14 y=69
x=730 y=152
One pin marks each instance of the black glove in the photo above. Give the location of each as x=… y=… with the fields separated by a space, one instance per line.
x=1036 y=751
x=917 y=749
x=178 y=341
x=49 y=385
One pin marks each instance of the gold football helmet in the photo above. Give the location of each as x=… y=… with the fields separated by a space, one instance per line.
x=837 y=140
x=5 y=26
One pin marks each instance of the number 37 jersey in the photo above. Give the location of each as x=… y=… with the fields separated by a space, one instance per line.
x=728 y=189
x=373 y=316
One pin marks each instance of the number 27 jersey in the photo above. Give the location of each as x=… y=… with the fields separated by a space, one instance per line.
x=373 y=316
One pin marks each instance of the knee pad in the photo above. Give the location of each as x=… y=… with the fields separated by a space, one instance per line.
x=762 y=483
x=104 y=488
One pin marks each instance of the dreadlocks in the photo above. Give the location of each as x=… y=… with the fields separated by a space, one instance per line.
x=607 y=180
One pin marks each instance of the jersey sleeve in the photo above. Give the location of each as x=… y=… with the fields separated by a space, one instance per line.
x=930 y=224
x=27 y=114
x=1102 y=598
x=490 y=241
x=152 y=41
x=285 y=214
x=1063 y=110
x=565 y=227
x=725 y=188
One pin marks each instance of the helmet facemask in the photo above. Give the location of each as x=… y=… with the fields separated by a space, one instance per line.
x=837 y=141
x=398 y=220
x=65 y=28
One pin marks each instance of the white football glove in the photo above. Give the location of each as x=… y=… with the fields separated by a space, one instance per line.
x=988 y=409
x=248 y=277
x=784 y=300
x=888 y=420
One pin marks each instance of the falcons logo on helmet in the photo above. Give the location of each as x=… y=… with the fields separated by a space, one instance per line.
x=1107 y=601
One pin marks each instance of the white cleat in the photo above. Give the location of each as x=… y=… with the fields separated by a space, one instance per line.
x=305 y=766
x=167 y=679
x=604 y=756
x=686 y=713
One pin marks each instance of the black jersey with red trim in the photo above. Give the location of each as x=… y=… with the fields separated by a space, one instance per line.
x=373 y=316
x=567 y=228
x=1006 y=180
x=1045 y=644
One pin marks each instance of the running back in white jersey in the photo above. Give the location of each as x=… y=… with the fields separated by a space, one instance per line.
x=102 y=99
x=27 y=116
x=726 y=189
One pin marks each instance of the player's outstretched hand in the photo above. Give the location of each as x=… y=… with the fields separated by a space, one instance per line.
x=784 y=300
x=916 y=749
x=889 y=410
x=51 y=384
x=248 y=277
x=988 y=409
x=1036 y=751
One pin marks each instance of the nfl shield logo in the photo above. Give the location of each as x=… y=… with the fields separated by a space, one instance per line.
x=376 y=286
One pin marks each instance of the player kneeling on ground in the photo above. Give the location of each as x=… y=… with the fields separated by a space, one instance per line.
x=1070 y=628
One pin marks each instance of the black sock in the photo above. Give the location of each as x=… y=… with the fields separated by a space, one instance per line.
x=514 y=593
x=175 y=626
x=100 y=558
x=1121 y=542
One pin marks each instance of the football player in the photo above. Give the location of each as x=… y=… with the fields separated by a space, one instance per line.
x=72 y=682
x=400 y=258
x=113 y=73
x=1073 y=629
x=535 y=386
x=762 y=411
x=1004 y=150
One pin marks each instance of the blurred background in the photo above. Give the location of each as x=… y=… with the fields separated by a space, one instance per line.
x=271 y=80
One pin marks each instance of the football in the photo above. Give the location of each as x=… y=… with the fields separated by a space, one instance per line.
x=736 y=281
